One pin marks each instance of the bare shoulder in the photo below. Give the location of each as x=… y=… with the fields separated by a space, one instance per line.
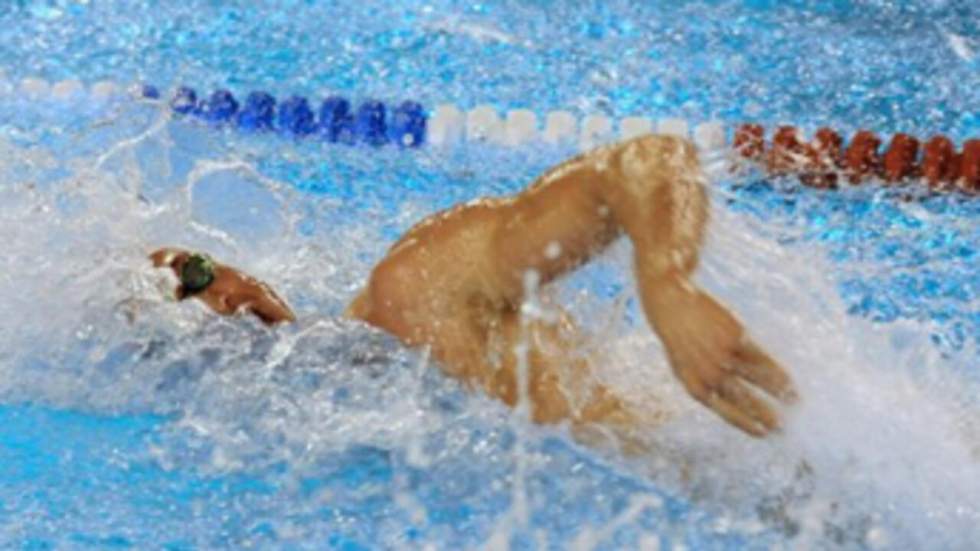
x=661 y=143
x=434 y=226
x=644 y=160
x=231 y=280
x=224 y=273
x=659 y=152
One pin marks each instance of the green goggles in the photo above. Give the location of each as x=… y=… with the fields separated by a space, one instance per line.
x=197 y=273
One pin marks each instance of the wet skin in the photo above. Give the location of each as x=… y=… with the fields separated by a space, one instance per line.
x=455 y=283
x=230 y=292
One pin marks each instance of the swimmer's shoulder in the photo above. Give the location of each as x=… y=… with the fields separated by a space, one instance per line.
x=485 y=209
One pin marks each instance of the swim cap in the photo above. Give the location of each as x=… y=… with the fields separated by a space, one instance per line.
x=197 y=273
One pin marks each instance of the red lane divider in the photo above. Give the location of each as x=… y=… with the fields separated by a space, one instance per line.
x=824 y=161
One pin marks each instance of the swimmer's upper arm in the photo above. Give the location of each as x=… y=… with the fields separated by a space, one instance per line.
x=650 y=187
x=558 y=223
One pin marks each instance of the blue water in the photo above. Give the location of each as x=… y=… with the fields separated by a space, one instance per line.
x=104 y=444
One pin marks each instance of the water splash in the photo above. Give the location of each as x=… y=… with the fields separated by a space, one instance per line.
x=329 y=415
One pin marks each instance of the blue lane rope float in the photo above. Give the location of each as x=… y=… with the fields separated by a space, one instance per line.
x=296 y=117
x=407 y=126
x=149 y=91
x=258 y=112
x=184 y=101
x=336 y=120
x=220 y=107
x=373 y=123
x=369 y=124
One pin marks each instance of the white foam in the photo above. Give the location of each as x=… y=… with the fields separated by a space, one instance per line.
x=879 y=446
x=960 y=46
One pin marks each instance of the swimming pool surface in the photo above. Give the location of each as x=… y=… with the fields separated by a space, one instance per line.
x=129 y=422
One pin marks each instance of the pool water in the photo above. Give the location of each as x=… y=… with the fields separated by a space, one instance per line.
x=129 y=422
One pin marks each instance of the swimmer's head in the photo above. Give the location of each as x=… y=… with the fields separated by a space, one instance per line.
x=196 y=273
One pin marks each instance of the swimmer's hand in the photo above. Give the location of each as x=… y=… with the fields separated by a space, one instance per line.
x=718 y=363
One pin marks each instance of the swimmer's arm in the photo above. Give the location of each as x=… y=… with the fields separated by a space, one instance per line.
x=651 y=188
x=661 y=203
x=254 y=297
x=271 y=310
x=554 y=226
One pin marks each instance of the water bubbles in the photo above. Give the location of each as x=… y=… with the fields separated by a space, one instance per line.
x=228 y=434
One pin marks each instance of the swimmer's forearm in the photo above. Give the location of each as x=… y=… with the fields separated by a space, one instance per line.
x=666 y=225
x=271 y=309
x=661 y=291
x=666 y=254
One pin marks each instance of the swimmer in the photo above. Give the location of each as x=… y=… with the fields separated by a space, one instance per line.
x=455 y=283
x=224 y=289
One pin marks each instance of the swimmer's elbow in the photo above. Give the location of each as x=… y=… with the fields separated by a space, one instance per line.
x=286 y=316
x=272 y=314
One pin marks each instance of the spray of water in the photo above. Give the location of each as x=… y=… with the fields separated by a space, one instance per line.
x=880 y=453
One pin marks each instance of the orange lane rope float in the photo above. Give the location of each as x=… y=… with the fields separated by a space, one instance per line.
x=825 y=162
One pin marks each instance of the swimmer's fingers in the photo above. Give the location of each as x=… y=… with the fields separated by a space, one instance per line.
x=737 y=405
x=756 y=366
x=727 y=396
